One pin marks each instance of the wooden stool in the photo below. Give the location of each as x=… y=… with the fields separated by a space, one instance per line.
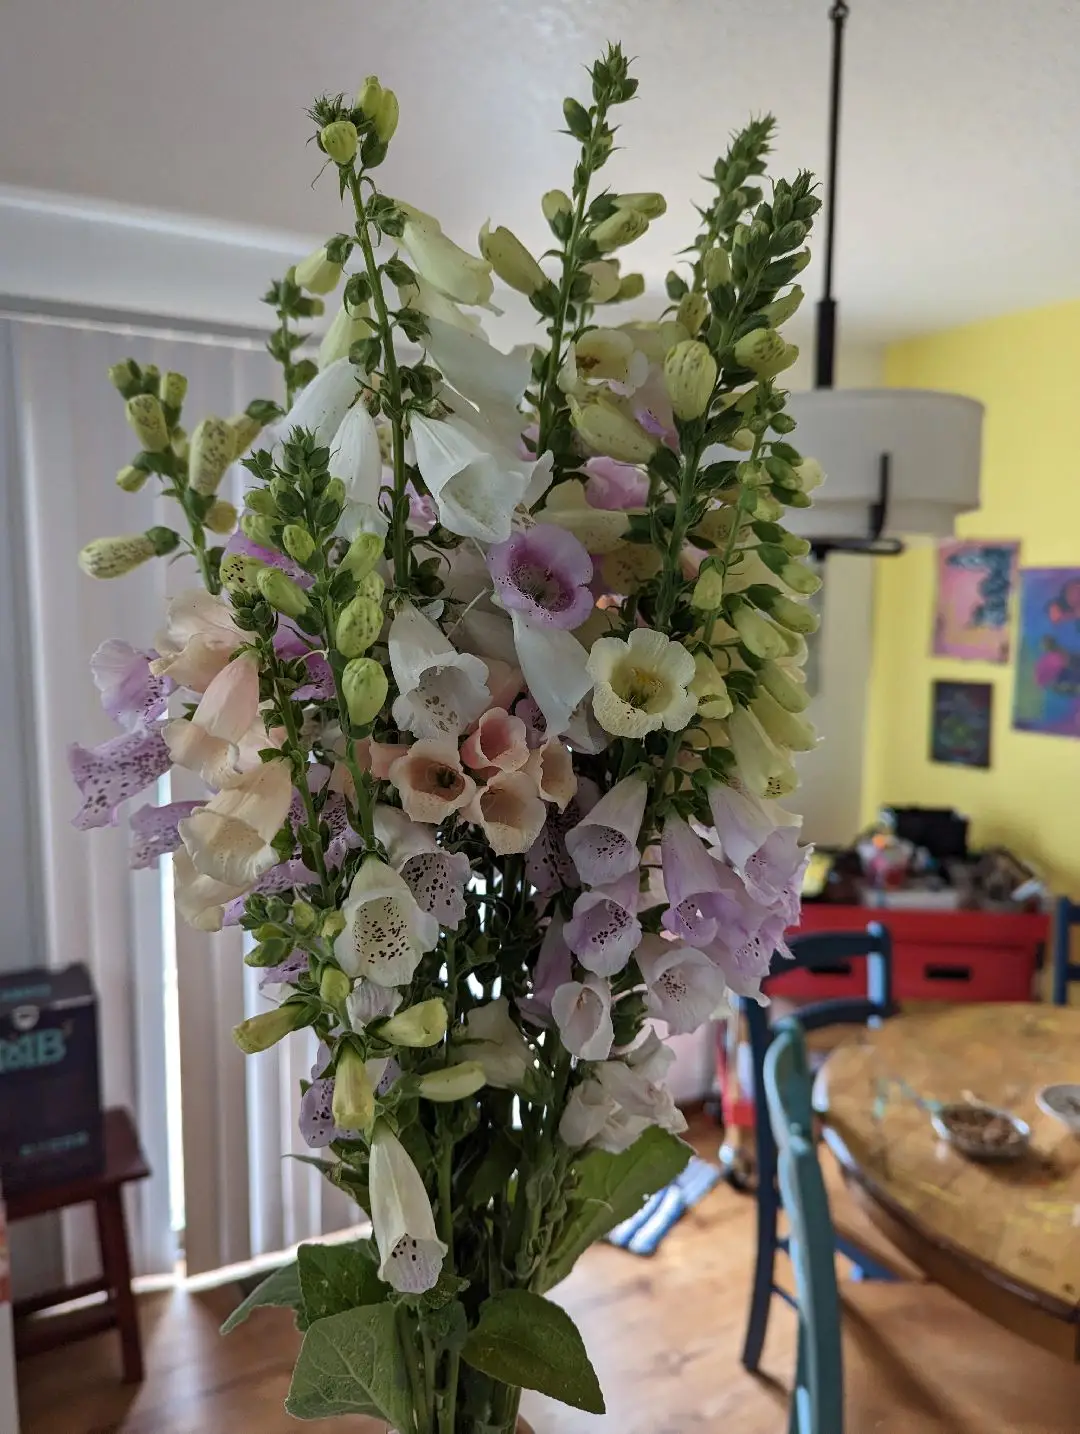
x=124 y=1162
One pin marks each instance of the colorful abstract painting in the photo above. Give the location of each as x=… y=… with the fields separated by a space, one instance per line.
x=960 y=723
x=975 y=582
x=1048 y=663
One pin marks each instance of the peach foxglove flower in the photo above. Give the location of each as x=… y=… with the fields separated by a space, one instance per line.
x=430 y=781
x=582 y=1012
x=494 y=1041
x=210 y=742
x=386 y=933
x=509 y=812
x=553 y=664
x=497 y=743
x=442 y=691
x=551 y=768
x=603 y=845
x=683 y=986
x=604 y=931
x=641 y=685
x=475 y=490
x=199 y=640
x=410 y=1252
x=230 y=838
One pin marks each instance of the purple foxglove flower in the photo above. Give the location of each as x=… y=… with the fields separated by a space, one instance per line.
x=545 y=574
x=243 y=545
x=130 y=693
x=114 y=771
x=746 y=963
x=316 y=1114
x=535 y=724
x=155 y=831
x=582 y=1012
x=282 y=877
x=614 y=485
x=320 y=684
x=343 y=839
x=705 y=898
x=367 y=1002
x=603 y=845
x=554 y=967
x=683 y=985
x=547 y=864
x=422 y=512
x=286 y=972
x=774 y=874
x=744 y=822
x=604 y=930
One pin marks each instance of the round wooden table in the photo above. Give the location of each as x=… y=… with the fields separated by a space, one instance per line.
x=1003 y=1237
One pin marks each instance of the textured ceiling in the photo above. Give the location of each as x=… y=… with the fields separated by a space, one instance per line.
x=959 y=198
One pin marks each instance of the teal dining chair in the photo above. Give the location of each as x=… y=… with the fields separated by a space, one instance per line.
x=817 y=1400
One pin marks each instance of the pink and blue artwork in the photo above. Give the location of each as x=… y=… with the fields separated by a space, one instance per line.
x=1047 y=692
x=976 y=579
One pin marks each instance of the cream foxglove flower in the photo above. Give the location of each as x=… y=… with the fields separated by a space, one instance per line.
x=785 y=728
x=410 y=1252
x=478 y=370
x=451 y=1082
x=441 y=691
x=683 y=986
x=210 y=742
x=475 y=489
x=386 y=933
x=492 y=1039
x=603 y=845
x=200 y=900
x=368 y=1002
x=356 y=458
x=419 y=294
x=603 y=356
x=445 y=265
x=641 y=685
x=509 y=812
x=598 y=530
x=582 y=1012
x=766 y=769
x=230 y=838
x=554 y=665
x=198 y=640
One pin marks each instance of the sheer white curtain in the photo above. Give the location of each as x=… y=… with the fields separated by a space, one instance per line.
x=240 y=1196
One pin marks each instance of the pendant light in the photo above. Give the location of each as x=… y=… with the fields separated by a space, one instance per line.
x=899 y=462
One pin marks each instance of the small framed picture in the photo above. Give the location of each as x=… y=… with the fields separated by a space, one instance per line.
x=960 y=723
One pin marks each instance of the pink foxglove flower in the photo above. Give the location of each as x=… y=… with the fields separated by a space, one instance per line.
x=509 y=812
x=198 y=640
x=114 y=771
x=548 y=864
x=744 y=822
x=684 y=987
x=582 y=1012
x=604 y=931
x=614 y=485
x=774 y=874
x=430 y=782
x=552 y=769
x=704 y=896
x=386 y=932
x=554 y=967
x=603 y=845
x=544 y=573
x=498 y=743
x=130 y=692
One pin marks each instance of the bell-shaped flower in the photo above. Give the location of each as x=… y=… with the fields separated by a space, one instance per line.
x=552 y=769
x=201 y=900
x=109 y=774
x=582 y=1012
x=317 y=1125
x=419 y=294
x=386 y=933
x=766 y=770
x=321 y=406
x=641 y=684
x=130 y=692
x=638 y=1084
x=347 y=326
x=355 y=456
x=604 y=931
x=603 y=355
x=410 y=1252
x=209 y=743
x=509 y=811
x=554 y=665
x=494 y=1041
x=746 y=962
x=497 y=744
x=603 y=845
x=554 y=967
x=458 y=275
x=441 y=691
x=704 y=895
x=485 y=376
x=544 y=572
x=475 y=490
x=614 y=486
x=368 y=1002
x=683 y=986
x=600 y=530
x=230 y=838
x=430 y=781
x=155 y=832
x=744 y=822
x=417 y=1027
x=773 y=875
x=198 y=640
x=587 y=1112
x=436 y=877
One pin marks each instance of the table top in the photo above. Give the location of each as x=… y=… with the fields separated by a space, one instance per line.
x=1016 y=1223
x=124 y=1162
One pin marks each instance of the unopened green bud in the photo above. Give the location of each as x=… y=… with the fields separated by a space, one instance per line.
x=131 y=479
x=359 y=624
x=172 y=388
x=339 y=141
x=281 y=592
x=513 y=263
x=787 y=729
x=456 y=1082
x=368 y=97
x=244 y=430
x=631 y=286
x=318 y=274
x=386 y=116
x=800 y=578
x=209 y=454
x=791 y=695
x=780 y=310
x=259 y=528
x=768 y=509
x=335 y=492
x=708 y=592
x=333 y=924
x=796 y=546
x=756 y=632
x=262 y=500
x=795 y=616
x=365 y=689
x=151 y=374
x=221 y=517
x=353 y=1103
x=303 y=915
x=605 y=428
x=364 y=552
x=260 y=1032
x=239 y=574
x=622 y=227
x=419 y=1026
x=690 y=377
x=742 y=440
x=147 y=420
x=716 y=268
x=113 y=557
x=764 y=352
x=334 y=986
x=373 y=586
x=297 y=542
x=180 y=444
x=783 y=423
x=555 y=203
x=693 y=310
x=123 y=377
x=650 y=205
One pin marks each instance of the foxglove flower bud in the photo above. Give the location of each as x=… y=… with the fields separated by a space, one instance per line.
x=417 y=1027
x=221 y=517
x=365 y=688
x=631 y=286
x=793 y=615
x=604 y=280
x=318 y=274
x=796 y=546
x=764 y=352
x=122 y=376
x=281 y=592
x=172 y=388
x=649 y=205
x=622 y=227
x=786 y=729
x=210 y=453
x=303 y=914
x=259 y=528
x=353 y=1104
x=297 y=542
x=810 y=473
x=605 y=428
x=693 y=310
x=147 y=420
x=372 y=586
x=742 y=440
x=113 y=557
x=452 y=1082
x=791 y=695
x=386 y=116
x=358 y=625
x=131 y=479
x=757 y=632
x=244 y=430
x=780 y=310
x=259 y=1033
x=716 y=268
x=708 y=592
x=364 y=552
x=334 y=985
x=513 y=263
x=239 y=574
x=369 y=96
x=335 y=492
x=690 y=377
x=339 y=141
x=346 y=327
x=555 y=203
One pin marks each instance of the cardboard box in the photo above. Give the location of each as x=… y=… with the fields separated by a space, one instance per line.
x=50 y=1102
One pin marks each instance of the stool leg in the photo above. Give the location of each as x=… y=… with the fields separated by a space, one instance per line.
x=116 y=1263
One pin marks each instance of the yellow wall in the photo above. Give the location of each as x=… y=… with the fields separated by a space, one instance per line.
x=1026 y=369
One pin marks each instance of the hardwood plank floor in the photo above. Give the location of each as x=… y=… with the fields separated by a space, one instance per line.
x=664 y=1333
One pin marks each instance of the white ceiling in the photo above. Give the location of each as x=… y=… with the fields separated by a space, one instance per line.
x=959 y=196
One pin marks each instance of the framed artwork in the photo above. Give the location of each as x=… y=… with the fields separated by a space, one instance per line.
x=960 y=722
x=975 y=581
x=1047 y=689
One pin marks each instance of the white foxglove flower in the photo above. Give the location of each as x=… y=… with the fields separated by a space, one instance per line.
x=495 y=1043
x=442 y=691
x=766 y=769
x=477 y=369
x=603 y=845
x=553 y=664
x=323 y=404
x=604 y=931
x=445 y=265
x=356 y=458
x=229 y=840
x=386 y=933
x=367 y=1002
x=419 y=294
x=410 y=1251
x=582 y=1012
x=638 y=1084
x=199 y=639
x=587 y=1112
x=437 y=878
x=684 y=987
x=475 y=490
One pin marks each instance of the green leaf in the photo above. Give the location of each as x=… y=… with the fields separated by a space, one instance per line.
x=610 y=1189
x=335 y=1278
x=281 y=1287
x=524 y=1339
x=352 y=1363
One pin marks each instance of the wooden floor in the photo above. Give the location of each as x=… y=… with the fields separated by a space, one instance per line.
x=664 y=1333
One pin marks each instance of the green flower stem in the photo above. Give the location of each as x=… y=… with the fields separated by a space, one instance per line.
x=666 y=598
x=288 y=368
x=408 y=1344
x=298 y=760
x=399 y=532
x=448 y=1416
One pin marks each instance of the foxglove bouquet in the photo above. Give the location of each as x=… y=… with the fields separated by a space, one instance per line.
x=493 y=687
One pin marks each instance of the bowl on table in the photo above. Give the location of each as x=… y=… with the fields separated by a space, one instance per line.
x=1063 y=1103
x=982 y=1132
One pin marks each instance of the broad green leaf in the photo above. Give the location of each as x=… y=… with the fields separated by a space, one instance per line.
x=611 y=1188
x=334 y=1278
x=281 y=1287
x=352 y=1363
x=524 y=1339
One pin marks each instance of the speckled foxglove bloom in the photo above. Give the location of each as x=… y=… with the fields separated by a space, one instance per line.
x=705 y=897
x=430 y=782
x=637 y=1084
x=436 y=877
x=683 y=986
x=764 y=768
x=582 y=1012
x=552 y=769
x=640 y=684
x=368 y=1002
x=109 y=774
x=130 y=692
x=604 y=931
x=544 y=573
x=475 y=490
x=441 y=690
x=155 y=832
x=386 y=933
x=410 y=1252
x=355 y=456
x=603 y=846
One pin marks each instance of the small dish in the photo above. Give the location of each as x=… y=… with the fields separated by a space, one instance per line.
x=981 y=1132
x=1063 y=1103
